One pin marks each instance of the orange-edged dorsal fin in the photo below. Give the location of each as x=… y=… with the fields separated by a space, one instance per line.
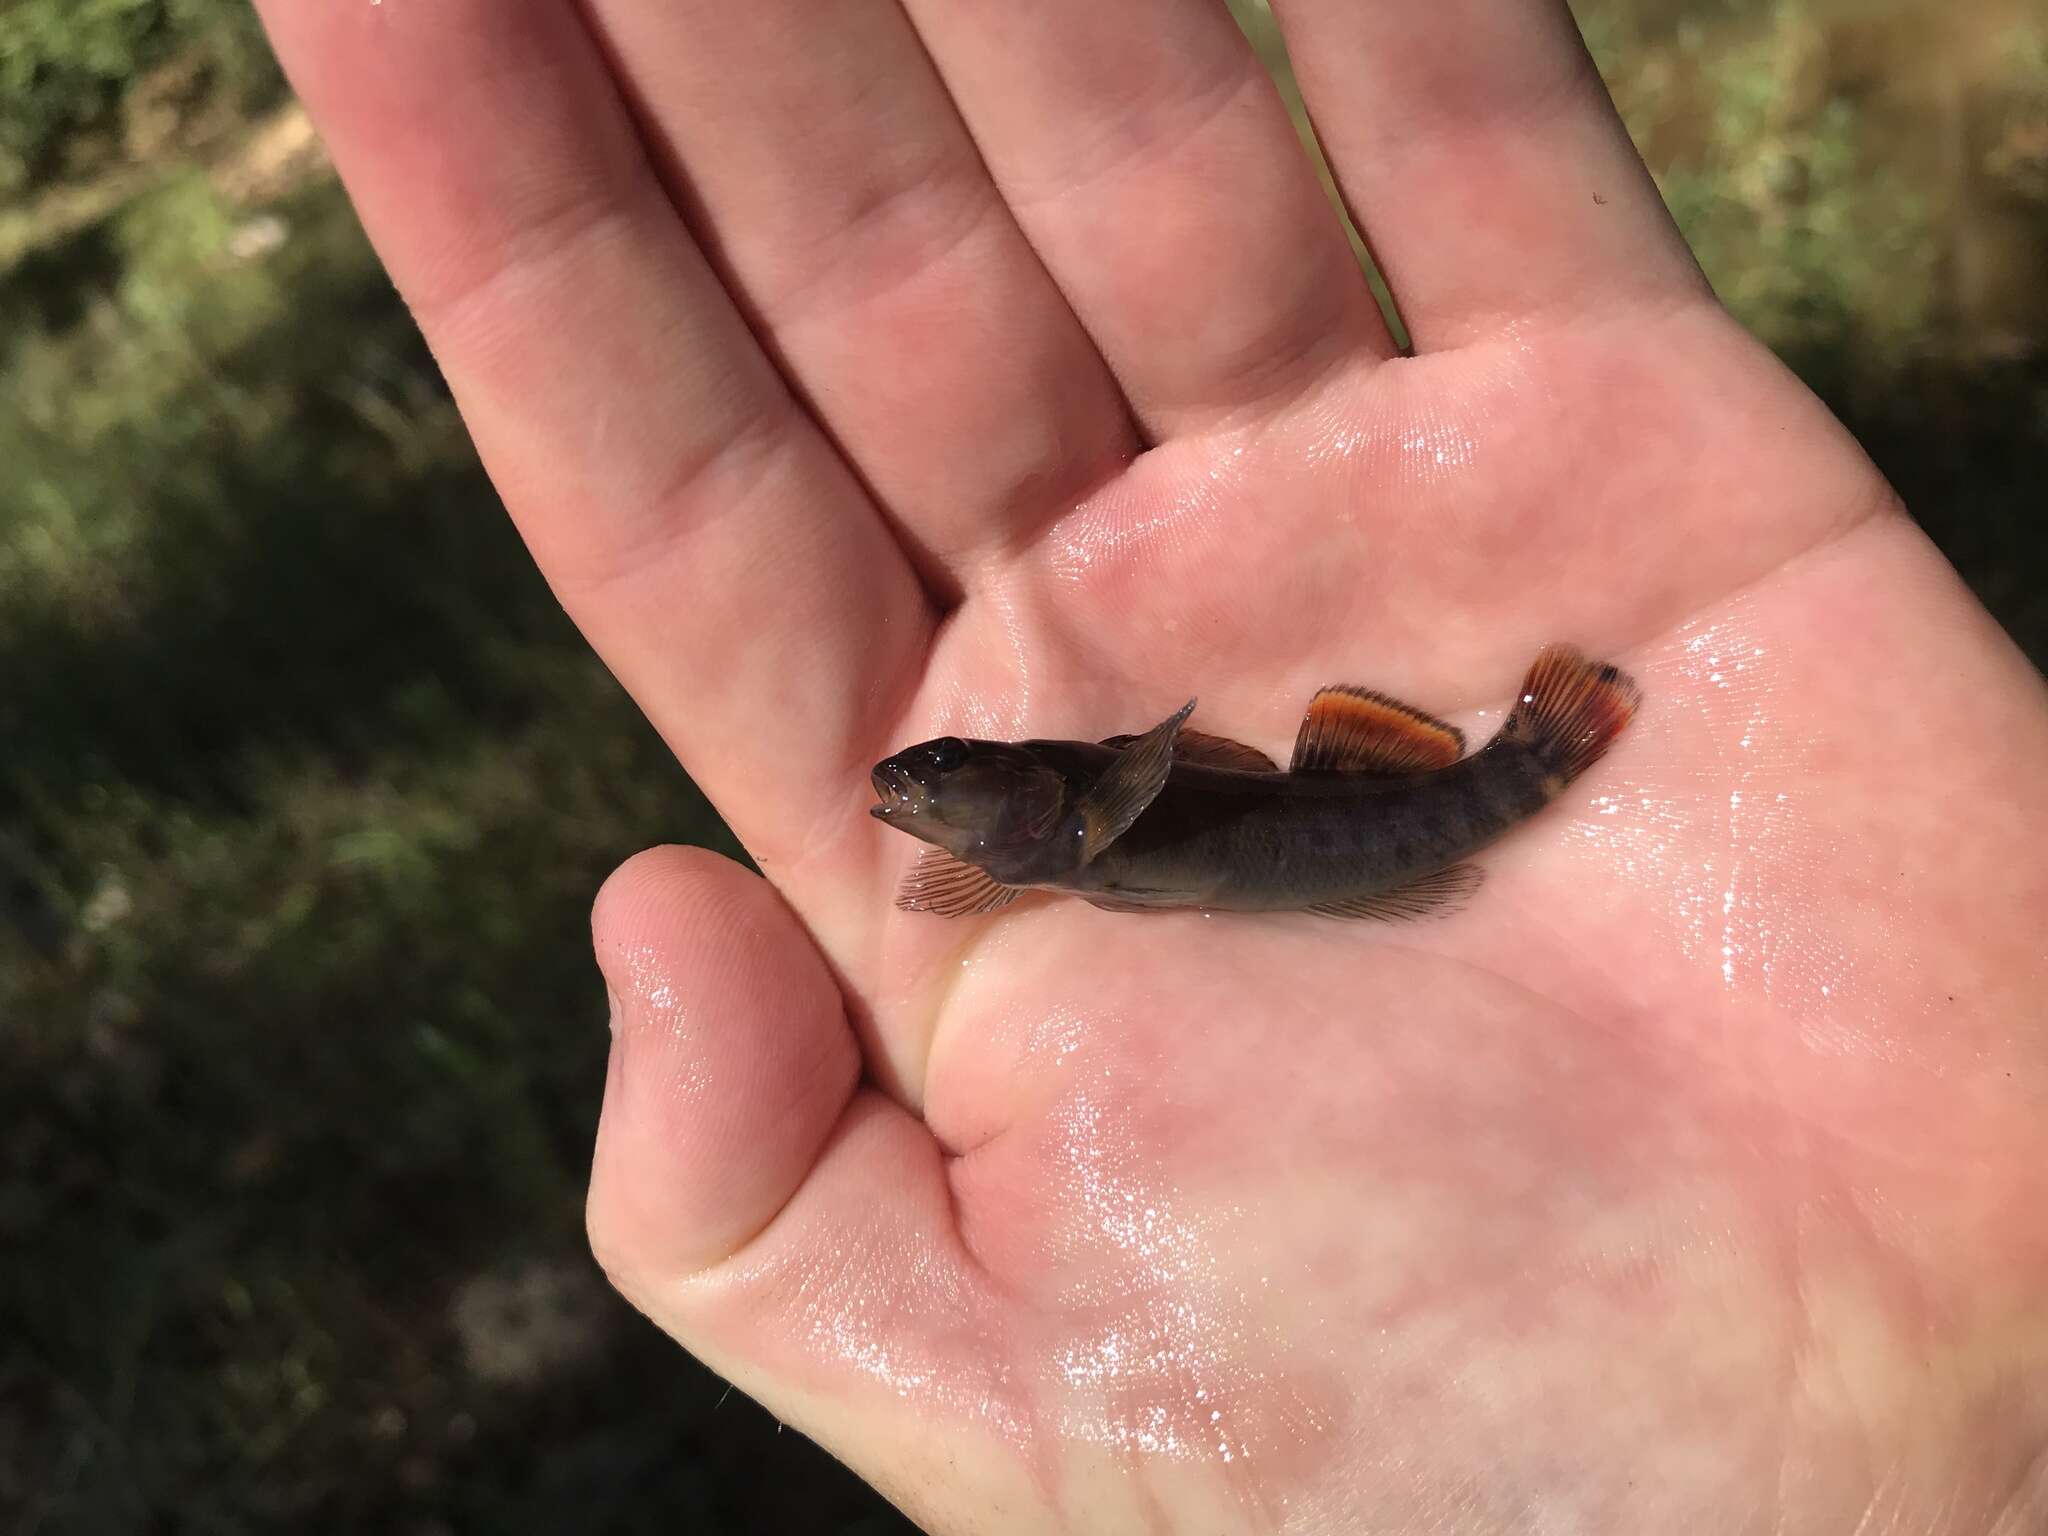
x=1434 y=895
x=950 y=887
x=1354 y=730
x=1217 y=751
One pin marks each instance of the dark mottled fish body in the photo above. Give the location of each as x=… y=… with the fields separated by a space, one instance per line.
x=1250 y=842
x=1373 y=819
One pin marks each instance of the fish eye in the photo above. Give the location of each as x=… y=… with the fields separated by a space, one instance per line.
x=948 y=753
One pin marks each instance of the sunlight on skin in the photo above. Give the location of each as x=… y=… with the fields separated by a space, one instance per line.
x=1690 y=1178
x=1702 y=1106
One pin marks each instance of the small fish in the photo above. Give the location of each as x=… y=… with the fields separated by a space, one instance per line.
x=1373 y=818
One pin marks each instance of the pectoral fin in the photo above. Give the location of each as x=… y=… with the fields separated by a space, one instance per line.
x=950 y=887
x=1131 y=784
x=1434 y=895
x=1217 y=751
x=1354 y=730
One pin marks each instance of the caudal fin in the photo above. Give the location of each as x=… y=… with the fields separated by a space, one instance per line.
x=1571 y=709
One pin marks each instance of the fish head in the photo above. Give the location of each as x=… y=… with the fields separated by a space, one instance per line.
x=978 y=800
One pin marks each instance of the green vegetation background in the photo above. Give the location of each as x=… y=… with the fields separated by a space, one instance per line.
x=305 y=783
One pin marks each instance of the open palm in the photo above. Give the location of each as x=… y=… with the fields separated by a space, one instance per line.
x=858 y=373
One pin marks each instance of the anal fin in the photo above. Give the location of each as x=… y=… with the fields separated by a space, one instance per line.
x=948 y=887
x=1355 y=730
x=1122 y=904
x=1434 y=895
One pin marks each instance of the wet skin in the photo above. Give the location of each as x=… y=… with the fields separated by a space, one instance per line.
x=1694 y=1181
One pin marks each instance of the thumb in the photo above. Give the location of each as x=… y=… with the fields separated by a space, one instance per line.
x=731 y=1062
x=791 y=1229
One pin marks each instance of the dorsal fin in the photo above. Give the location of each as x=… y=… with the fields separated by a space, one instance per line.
x=1355 y=730
x=1217 y=751
x=1132 y=783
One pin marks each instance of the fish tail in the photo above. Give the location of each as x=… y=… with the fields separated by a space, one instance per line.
x=1571 y=709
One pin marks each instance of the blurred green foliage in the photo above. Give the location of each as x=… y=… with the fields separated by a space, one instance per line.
x=1866 y=184
x=307 y=787
x=307 y=783
x=84 y=80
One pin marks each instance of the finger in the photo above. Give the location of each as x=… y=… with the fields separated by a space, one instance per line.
x=697 y=527
x=793 y=1231
x=1147 y=155
x=1478 y=150
x=838 y=190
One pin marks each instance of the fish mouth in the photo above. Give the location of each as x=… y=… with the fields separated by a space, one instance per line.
x=894 y=788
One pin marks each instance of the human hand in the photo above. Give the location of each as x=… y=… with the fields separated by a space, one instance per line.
x=1001 y=370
